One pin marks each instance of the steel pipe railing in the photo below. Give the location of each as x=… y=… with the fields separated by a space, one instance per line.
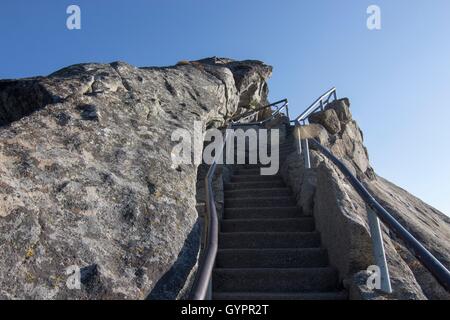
x=202 y=286
x=376 y=211
x=321 y=102
x=439 y=271
x=284 y=106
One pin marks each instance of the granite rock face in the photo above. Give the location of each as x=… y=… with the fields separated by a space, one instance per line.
x=335 y=128
x=86 y=177
x=328 y=119
x=430 y=226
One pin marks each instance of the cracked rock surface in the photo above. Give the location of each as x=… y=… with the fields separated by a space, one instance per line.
x=341 y=214
x=86 y=177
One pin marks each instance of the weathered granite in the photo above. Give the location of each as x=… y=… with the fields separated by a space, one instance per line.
x=87 y=179
x=341 y=215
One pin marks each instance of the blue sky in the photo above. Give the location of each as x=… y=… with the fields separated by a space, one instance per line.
x=398 y=78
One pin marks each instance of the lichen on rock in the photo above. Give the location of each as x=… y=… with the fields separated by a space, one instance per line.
x=341 y=215
x=86 y=178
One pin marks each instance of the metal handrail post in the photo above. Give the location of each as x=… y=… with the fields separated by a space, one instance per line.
x=428 y=260
x=306 y=155
x=378 y=251
x=287 y=111
x=206 y=218
x=209 y=293
x=299 y=138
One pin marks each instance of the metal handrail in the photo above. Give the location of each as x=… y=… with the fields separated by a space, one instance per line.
x=251 y=113
x=441 y=273
x=321 y=102
x=302 y=119
x=202 y=287
x=202 y=284
x=376 y=212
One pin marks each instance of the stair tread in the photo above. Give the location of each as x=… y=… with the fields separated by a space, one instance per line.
x=268 y=225
x=275 y=233
x=270 y=219
x=269 y=198
x=264 y=208
x=259 y=189
x=276 y=270
x=258 y=183
x=315 y=279
x=272 y=249
x=262 y=212
x=272 y=258
x=264 y=202
x=262 y=192
x=331 y=295
x=259 y=177
x=252 y=176
x=268 y=249
x=254 y=185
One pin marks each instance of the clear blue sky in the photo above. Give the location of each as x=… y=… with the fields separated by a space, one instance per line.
x=398 y=79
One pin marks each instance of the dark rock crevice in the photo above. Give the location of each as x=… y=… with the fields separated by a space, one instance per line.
x=20 y=98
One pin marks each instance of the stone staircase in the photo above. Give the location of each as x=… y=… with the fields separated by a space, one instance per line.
x=267 y=249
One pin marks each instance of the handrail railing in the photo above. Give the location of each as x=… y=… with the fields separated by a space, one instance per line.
x=284 y=106
x=202 y=287
x=423 y=255
x=302 y=119
x=321 y=102
x=376 y=212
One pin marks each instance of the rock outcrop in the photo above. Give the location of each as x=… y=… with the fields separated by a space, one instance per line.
x=86 y=177
x=88 y=185
x=341 y=215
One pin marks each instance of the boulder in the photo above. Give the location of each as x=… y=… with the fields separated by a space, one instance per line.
x=313 y=131
x=327 y=118
x=87 y=181
x=342 y=109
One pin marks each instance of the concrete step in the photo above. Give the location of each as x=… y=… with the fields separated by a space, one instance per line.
x=254 y=185
x=287 y=146
x=253 y=193
x=247 y=160
x=254 y=240
x=253 y=178
x=272 y=258
x=286 y=150
x=268 y=225
x=248 y=172
x=260 y=202
x=262 y=213
x=248 y=166
x=283 y=146
x=338 y=295
x=275 y=280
